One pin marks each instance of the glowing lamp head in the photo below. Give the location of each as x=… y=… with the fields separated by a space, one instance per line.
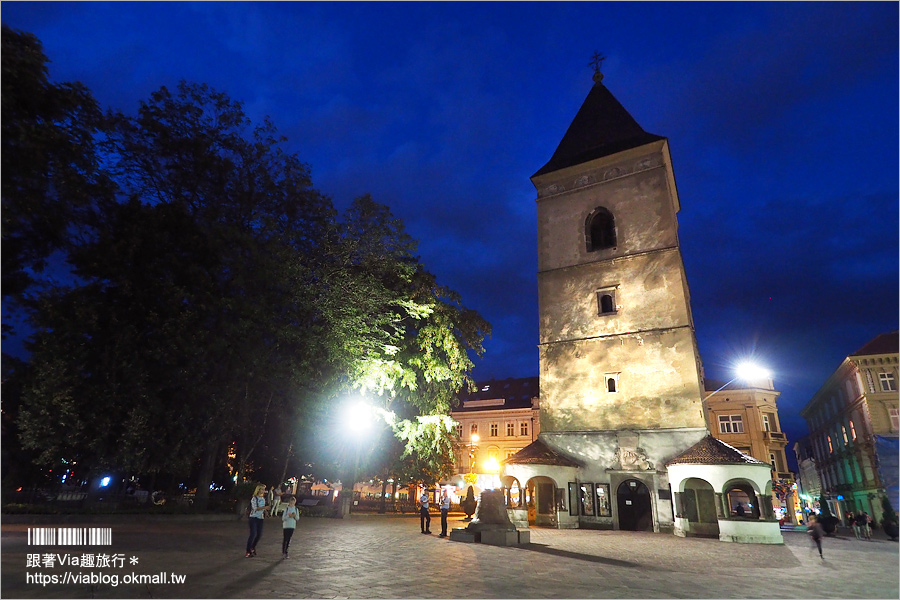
x=751 y=372
x=358 y=416
x=475 y=438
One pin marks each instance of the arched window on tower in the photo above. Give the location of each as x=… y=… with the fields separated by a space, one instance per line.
x=600 y=230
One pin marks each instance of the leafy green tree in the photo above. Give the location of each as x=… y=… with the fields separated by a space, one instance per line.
x=222 y=302
x=49 y=160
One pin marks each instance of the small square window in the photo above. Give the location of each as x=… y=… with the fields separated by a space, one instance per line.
x=888 y=383
x=606 y=301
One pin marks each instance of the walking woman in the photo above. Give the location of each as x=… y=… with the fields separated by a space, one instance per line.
x=257 y=513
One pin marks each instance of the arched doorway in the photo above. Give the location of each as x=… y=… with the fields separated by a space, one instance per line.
x=633 y=502
x=697 y=504
x=540 y=499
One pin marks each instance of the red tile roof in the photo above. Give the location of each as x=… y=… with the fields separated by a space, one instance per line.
x=886 y=343
x=539 y=453
x=710 y=451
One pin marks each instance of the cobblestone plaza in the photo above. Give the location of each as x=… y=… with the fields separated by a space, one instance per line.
x=387 y=557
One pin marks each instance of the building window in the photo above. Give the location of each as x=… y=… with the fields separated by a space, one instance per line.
x=473 y=430
x=888 y=383
x=844 y=433
x=495 y=429
x=510 y=429
x=830 y=447
x=773 y=461
x=600 y=230
x=523 y=428
x=731 y=424
x=852 y=430
x=606 y=301
x=603 y=508
x=612 y=382
x=766 y=425
x=459 y=430
x=870 y=381
x=587 y=499
x=895 y=418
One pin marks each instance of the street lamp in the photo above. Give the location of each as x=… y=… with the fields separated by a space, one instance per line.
x=745 y=371
x=358 y=417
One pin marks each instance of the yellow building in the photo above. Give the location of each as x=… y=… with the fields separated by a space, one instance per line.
x=746 y=417
x=494 y=422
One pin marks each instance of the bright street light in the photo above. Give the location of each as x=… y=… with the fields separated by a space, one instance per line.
x=358 y=416
x=748 y=372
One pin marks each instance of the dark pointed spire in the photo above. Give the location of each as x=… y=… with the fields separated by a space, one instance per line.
x=602 y=127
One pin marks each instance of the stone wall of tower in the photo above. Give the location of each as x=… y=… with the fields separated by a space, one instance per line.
x=648 y=342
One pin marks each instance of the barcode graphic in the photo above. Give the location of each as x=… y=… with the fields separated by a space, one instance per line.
x=70 y=536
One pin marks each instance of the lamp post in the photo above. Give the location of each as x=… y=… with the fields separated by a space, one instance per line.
x=473 y=454
x=358 y=418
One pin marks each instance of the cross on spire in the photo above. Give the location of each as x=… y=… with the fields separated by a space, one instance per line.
x=596 y=63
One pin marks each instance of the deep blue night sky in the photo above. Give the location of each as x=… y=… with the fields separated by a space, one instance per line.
x=782 y=121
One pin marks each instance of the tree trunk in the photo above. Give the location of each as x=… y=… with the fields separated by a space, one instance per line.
x=207 y=468
x=383 y=493
x=287 y=460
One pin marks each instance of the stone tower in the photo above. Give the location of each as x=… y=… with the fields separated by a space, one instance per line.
x=623 y=441
x=617 y=344
x=620 y=372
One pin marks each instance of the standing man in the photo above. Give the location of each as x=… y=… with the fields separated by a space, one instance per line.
x=424 y=516
x=445 y=509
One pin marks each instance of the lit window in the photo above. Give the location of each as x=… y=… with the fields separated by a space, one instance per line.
x=473 y=429
x=888 y=383
x=510 y=429
x=731 y=424
x=844 y=433
x=495 y=428
x=852 y=430
x=830 y=447
x=523 y=428
x=895 y=418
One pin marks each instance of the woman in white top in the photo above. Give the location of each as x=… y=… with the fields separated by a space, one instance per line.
x=257 y=513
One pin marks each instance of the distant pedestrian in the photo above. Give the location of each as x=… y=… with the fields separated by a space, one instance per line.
x=867 y=527
x=424 y=516
x=860 y=522
x=445 y=510
x=256 y=516
x=816 y=533
x=289 y=519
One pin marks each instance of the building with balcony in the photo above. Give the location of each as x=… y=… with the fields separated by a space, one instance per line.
x=853 y=422
x=746 y=417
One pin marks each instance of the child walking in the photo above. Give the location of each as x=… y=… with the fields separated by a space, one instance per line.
x=289 y=522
